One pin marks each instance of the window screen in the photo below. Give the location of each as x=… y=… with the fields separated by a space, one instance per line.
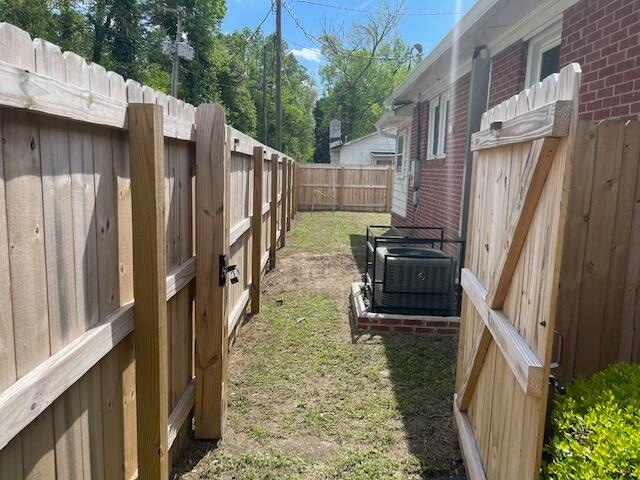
x=550 y=62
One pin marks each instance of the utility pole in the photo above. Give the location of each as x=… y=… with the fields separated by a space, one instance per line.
x=264 y=94
x=278 y=145
x=178 y=48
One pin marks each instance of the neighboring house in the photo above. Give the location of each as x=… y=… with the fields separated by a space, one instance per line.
x=376 y=149
x=496 y=50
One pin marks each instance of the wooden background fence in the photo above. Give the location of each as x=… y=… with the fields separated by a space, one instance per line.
x=110 y=188
x=355 y=188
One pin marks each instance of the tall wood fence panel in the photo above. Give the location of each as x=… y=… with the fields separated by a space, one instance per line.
x=350 y=188
x=599 y=300
x=98 y=194
x=520 y=186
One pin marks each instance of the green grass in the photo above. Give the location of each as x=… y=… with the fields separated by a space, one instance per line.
x=305 y=402
x=301 y=380
x=331 y=232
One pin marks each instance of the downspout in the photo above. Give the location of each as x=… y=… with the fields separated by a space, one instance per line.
x=417 y=167
x=478 y=99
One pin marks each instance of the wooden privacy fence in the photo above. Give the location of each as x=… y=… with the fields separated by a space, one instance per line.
x=110 y=188
x=355 y=188
x=521 y=169
x=552 y=269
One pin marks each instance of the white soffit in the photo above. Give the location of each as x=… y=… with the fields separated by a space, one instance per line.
x=495 y=24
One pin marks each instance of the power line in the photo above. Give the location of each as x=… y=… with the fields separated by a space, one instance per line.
x=255 y=32
x=351 y=9
x=311 y=38
x=317 y=42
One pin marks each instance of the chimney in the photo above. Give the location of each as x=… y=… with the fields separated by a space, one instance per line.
x=335 y=133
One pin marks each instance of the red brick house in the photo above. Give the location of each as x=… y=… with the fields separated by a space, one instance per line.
x=496 y=50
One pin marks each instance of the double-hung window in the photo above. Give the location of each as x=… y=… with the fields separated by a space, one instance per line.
x=400 y=146
x=438 y=119
x=543 y=57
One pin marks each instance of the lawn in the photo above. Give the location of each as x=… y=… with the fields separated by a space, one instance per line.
x=309 y=400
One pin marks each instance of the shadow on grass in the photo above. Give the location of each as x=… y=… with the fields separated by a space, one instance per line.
x=358 y=250
x=422 y=371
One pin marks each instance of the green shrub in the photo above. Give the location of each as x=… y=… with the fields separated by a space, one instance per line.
x=597 y=428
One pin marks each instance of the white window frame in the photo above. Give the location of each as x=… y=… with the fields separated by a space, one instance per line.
x=547 y=39
x=441 y=101
x=403 y=155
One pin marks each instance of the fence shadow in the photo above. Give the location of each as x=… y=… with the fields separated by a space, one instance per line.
x=421 y=370
x=358 y=249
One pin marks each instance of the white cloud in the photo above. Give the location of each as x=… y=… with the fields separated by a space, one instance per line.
x=311 y=54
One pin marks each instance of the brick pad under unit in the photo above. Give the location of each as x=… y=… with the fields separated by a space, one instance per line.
x=397 y=325
x=366 y=321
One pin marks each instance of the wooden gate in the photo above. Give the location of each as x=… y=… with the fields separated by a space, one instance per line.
x=520 y=183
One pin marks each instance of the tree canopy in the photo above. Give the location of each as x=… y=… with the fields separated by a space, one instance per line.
x=363 y=65
x=126 y=36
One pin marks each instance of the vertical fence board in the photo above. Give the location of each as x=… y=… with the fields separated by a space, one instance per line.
x=604 y=199
x=256 y=229
x=112 y=425
x=283 y=212
x=147 y=175
x=92 y=441
x=212 y=171
x=273 y=211
x=7 y=350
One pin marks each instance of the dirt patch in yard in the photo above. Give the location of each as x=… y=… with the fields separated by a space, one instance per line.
x=305 y=401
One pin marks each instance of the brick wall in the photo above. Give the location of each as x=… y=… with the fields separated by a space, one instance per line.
x=441 y=180
x=603 y=36
x=423 y=112
x=508 y=71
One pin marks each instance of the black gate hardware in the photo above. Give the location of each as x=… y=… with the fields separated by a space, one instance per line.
x=226 y=270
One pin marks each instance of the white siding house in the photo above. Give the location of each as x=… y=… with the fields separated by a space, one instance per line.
x=401 y=175
x=376 y=149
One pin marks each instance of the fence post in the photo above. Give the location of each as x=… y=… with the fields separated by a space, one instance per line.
x=289 y=190
x=212 y=234
x=283 y=219
x=293 y=189
x=296 y=188
x=274 y=211
x=389 y=192
x=340 y=188
x=256 y=229
x=146 y=152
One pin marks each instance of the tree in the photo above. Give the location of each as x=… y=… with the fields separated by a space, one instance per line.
x=363 y=66
x=236 y=98
x=124 y=38
x=34 y=16
x=298 y=92
x=321 y=132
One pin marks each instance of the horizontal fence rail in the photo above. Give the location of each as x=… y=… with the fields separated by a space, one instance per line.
x=119 y=206
x=351 y=188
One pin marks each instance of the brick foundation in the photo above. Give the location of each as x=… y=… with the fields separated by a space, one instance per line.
x=365 y=321
x=446 y=326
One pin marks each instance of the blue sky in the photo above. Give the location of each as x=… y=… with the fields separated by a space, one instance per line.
x=414 y=26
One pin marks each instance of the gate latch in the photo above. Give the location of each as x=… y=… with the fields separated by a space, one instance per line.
x=556 y=385
x=227 y=271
